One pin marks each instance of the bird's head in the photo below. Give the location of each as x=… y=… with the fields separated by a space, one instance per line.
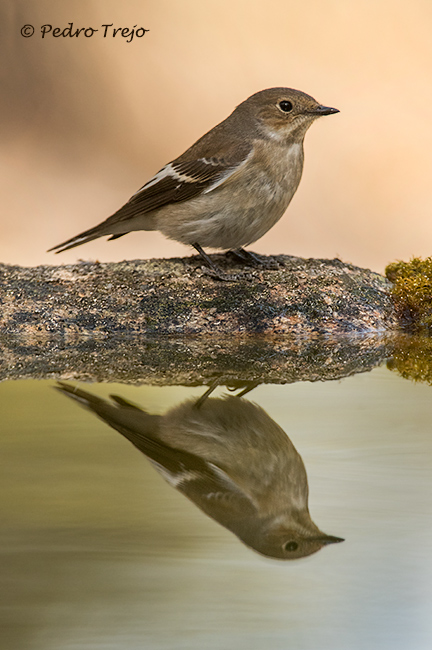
x=284 y=113
x=287 y=540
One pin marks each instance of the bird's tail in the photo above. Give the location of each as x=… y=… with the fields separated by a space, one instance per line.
x=131 y=421
x=82 y=238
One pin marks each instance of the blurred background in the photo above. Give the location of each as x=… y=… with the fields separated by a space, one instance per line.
x=86 y=121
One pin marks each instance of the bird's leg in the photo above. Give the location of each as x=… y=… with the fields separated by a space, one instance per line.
x=248 y=256
x=251 y=386
x=238 y=253
x=214 y=384
x=220 y=381
x=217 y=273
x=207 y=259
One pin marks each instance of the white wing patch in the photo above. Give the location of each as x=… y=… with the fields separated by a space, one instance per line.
x=169 y=171
x=178 y=478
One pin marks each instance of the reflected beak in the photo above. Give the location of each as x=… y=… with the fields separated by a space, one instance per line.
x=328 y=539
x=325 y=110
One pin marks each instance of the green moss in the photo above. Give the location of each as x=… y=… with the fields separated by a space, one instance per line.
x=413 y=359
x=412 y=292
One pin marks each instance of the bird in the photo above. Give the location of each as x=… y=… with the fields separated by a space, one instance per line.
x=231 y=460
x=230 y=187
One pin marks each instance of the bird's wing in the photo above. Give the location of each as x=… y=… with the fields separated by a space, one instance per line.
x=181 y=180
x=207 y=485
x=193 y=173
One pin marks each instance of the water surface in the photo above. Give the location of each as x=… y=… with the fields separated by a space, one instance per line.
x=99 y=551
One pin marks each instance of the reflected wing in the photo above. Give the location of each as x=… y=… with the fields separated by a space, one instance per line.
x=204 y=483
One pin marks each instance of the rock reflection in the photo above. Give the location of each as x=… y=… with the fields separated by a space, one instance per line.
x=230 y=459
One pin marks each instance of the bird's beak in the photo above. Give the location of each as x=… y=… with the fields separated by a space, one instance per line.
x=328 y=539
x=324 y=110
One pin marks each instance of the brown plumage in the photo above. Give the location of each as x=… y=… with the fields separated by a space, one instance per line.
x=231 y=186
x=231 y=460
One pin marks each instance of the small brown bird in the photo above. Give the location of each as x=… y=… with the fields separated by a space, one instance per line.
x=231 y=460
x=230 y=187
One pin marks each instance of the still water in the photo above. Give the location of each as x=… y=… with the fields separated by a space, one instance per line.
x=99 y=550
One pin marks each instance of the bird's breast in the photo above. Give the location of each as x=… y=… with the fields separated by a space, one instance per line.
x=267 y=188
x=245 y=206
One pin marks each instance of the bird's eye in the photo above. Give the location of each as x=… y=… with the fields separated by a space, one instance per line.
x=285 y=106
x=290 y=546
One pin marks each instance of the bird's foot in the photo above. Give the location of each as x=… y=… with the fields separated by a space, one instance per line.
x=217 y=274
x=231 y=384
x=253 y=258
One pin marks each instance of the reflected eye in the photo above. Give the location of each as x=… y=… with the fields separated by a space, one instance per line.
x=285 y=106
x=290 y=546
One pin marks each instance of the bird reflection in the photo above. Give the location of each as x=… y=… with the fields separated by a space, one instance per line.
x=230 y=459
